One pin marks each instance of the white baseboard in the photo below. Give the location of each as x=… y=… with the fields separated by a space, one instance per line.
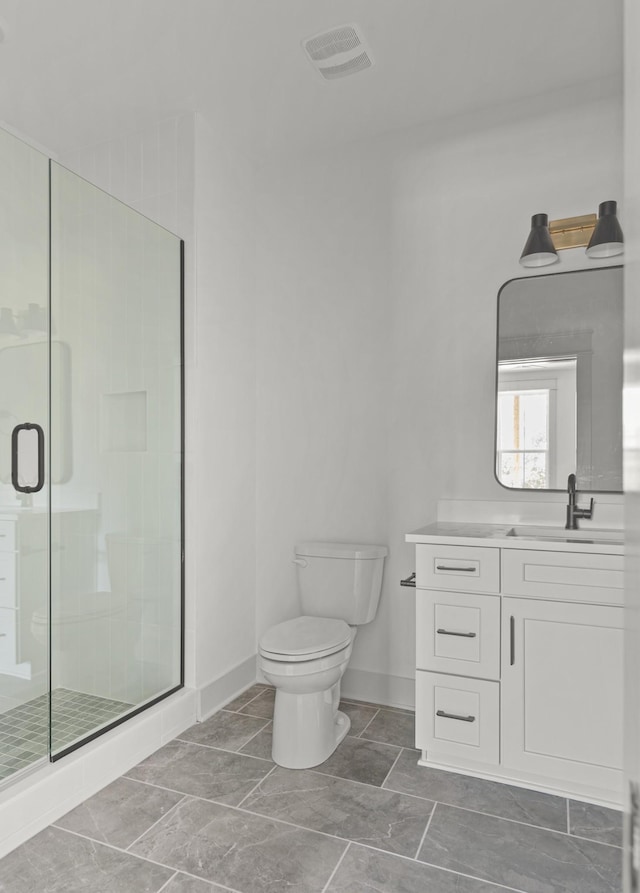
x=220 y=691
x=46 y=794
x=379 y=688
x=362 y=685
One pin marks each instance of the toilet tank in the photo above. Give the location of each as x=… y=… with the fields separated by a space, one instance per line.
x=340 y=580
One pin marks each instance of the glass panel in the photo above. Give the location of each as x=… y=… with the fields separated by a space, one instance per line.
x=523 y=470
x=535 y=471
x=523 y=438
x=24 y=532
x=116 y=440
x=534 y=416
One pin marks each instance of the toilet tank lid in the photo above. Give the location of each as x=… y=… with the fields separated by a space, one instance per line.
x=353 y=551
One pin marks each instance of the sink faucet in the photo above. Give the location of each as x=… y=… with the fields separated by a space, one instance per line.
x=573 y=512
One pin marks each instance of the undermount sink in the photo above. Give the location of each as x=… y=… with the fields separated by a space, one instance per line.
x=560 y=534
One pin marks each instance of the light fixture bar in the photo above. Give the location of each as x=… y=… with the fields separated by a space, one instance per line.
x=572 y=232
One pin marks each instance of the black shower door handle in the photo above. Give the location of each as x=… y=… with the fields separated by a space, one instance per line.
x=27 y=458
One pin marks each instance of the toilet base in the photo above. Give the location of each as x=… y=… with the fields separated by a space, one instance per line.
x=307 y=728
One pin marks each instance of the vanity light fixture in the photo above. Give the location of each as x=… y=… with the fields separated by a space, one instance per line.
x=539 y=250
x=601 y=236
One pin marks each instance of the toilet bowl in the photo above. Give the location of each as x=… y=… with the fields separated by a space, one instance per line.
x=305 y=658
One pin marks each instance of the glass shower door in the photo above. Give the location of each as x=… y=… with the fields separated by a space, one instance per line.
x=91 y=496
x=116 y=461
x=24 y=415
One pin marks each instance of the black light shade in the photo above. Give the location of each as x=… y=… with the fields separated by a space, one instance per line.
x=607 y=239
x=538 y=250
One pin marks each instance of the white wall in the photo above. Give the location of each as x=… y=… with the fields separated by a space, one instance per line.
x=323 y=316
x=378 y=270
x=221 y=402
x=462 y=209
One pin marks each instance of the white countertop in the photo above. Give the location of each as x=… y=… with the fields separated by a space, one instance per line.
x=454 y=533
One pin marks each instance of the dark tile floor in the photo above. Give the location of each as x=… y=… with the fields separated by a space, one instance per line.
x=211 y=812
x=24 y=730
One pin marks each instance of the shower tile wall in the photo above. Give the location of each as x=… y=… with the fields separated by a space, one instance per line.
x=152 y=170
x=115 y=292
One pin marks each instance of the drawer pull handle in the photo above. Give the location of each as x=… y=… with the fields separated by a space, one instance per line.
x=455 y=716
x=450 y=632
x=466 y=570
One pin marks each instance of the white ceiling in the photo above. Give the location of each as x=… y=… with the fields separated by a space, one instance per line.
x=74 y=72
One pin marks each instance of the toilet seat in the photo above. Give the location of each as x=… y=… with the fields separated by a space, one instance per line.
x=305 y=638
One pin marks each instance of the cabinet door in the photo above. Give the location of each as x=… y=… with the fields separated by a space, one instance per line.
x=562 y=692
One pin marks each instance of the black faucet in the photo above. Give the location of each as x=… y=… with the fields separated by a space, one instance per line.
x=573 y=512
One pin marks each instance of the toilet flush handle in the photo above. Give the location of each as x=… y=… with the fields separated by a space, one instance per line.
x=299 y=561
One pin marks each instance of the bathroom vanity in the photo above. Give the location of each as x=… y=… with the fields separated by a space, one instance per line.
x=519 y=667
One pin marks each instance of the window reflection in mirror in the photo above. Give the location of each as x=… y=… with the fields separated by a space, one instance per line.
x=559 y=381
x=536 y=422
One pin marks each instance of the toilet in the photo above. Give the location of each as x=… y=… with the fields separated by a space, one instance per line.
x=305 y=658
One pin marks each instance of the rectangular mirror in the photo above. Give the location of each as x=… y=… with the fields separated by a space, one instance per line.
x=559 y=381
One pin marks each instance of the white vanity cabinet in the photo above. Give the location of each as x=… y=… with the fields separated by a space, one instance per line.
x=519 y=662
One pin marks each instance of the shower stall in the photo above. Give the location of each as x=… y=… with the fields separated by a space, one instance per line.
x=91 y=461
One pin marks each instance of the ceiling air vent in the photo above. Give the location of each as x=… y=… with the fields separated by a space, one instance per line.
x=338 y=52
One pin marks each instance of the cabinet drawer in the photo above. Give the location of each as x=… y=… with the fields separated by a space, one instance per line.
x=7 y=536
x=457 y=718
x=458 y=633
x=569 y=576
x=458 y=568
x=8 y=580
